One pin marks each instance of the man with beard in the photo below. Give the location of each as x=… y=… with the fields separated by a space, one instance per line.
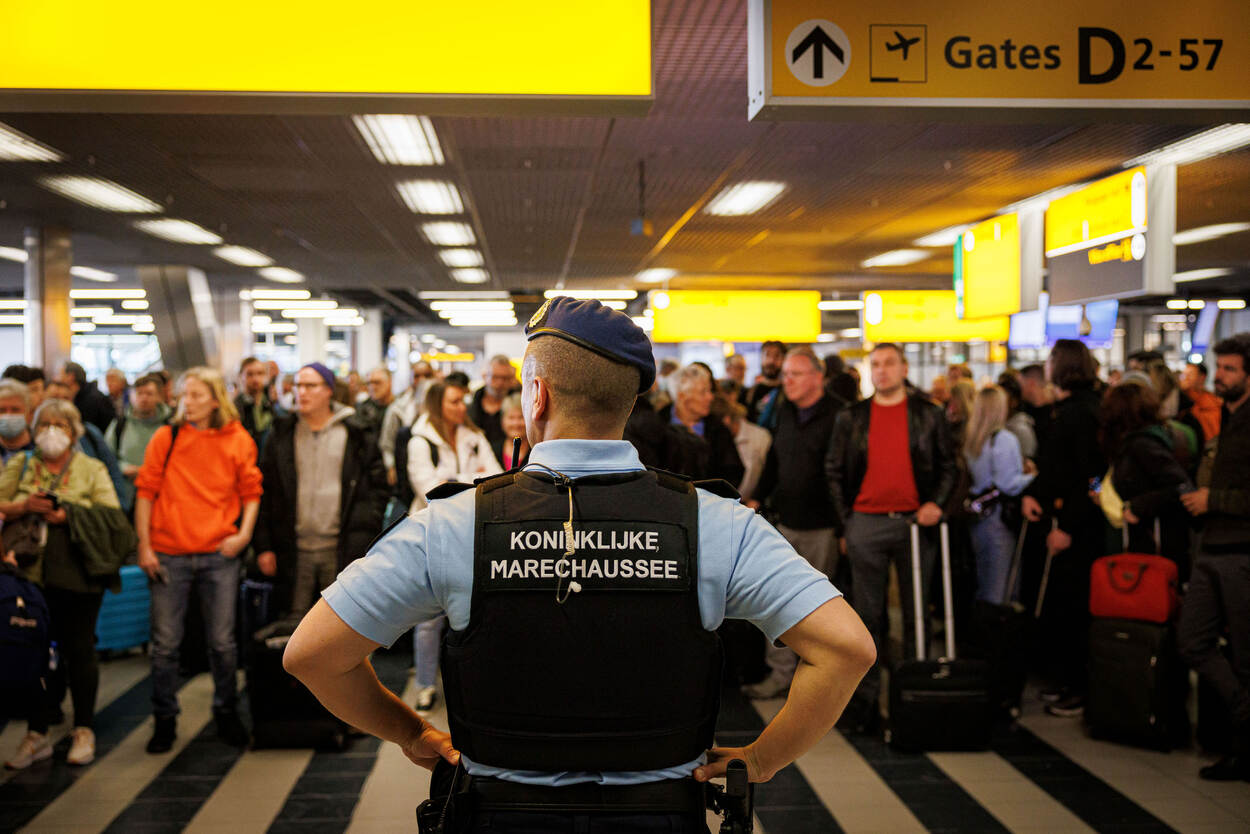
x=500 y=378
x=765 y=396
x=1219 y=584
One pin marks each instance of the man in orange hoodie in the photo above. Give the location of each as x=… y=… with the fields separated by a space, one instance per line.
x=199 y=477
x=1207 y=407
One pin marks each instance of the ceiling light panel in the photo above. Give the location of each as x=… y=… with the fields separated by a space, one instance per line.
x=449 y=306
x=601 y=295
x=12 y=253
x=1204 y=233
x=448 y=233
x=464 y=295
x=1202 y=145
x=896 y=257
x=259 y=293
x=943 y=238
x=281 y=274
x=242 y=256
x=92 y=274
x=655 y=275
x=472 y=275
x=1231 y=304
x=400 y=140
x=178 y=231
x=106 y=295
x=1201 y=274
x=294 y=304
x=99 y=193
x=745 y=198
x=836 y=304
x=461 y=257
x=430 y=196
x=135 y=304
x=16 y=146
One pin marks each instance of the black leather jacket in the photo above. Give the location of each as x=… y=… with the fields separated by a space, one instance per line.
x=932 y=456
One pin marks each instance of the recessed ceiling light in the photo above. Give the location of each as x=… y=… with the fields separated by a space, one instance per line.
x=294 y=303
x=431 y=196
x=471 y=275
x=275 y=327
x=82 y=326
x=12 y=253
x=105 y=295
x=1203 y=233
x=943 y=238
x=242 y=256
x=135 y=304
x=17 y=319
x=1197 y=304
x=400 y=140
x=450 y=306
x=12 y=304
x=179 y=231
x=464 y=295
x=92 y=274
x=482 y=321
x=281 y=274
x=89 y=312
x=1202 y=145
x=448 y=233
x=264 y=293
x=1201 y=274
x=1231 y=304
x=1177 y=304
x=99 y=193
x=837 y=304
x=644 y=323
x=655 y=275
x=744 y=198
x=601 y=295
x=896 y=257
x=16 y=146
x=460 y=257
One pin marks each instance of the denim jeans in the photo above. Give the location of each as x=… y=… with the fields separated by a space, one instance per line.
x=994 y=545
x=215 y=580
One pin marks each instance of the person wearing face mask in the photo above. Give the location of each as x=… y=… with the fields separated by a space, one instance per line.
x=70 y=497
x=14 y=412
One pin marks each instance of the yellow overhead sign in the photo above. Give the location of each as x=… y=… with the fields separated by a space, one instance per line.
x=1150 y=55
x=312 y=48
x=987 y=269
x=925 y=316
x=748 y=316
x=447 y=357
x=1101 y=212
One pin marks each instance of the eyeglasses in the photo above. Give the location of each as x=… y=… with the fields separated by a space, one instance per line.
x=310 y=385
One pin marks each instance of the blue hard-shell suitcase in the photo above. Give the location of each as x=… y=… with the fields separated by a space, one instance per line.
x=125 y=620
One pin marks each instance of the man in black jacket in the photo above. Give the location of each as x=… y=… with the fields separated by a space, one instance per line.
x=94 y=406
x=796 y=487
x=325 y=493
x=890 y=461
x=256 y=409
x=1219 y=585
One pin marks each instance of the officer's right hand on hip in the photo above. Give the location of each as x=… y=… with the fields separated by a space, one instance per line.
x=427 y=745
x=720 y=757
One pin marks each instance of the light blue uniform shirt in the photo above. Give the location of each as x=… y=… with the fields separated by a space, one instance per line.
x=424 y=568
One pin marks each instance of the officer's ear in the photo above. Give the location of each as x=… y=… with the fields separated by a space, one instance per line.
x=540 y=400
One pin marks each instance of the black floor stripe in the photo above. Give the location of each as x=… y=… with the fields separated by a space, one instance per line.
x=325 y=796
x=175 y=796
x=1098 y=805
x=33 y=789
x=786 y=804
x=934 y=798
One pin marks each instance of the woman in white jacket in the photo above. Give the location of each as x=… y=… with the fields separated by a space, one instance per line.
x=445 y=446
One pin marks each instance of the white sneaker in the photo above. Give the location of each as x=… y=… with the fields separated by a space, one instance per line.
x=82 y=751
x=770 y=687
x=426 y=699
x=33 y=748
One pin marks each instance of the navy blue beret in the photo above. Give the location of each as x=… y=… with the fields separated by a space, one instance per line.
x=589 y=324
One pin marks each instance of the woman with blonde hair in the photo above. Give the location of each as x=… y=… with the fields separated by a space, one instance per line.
x=198 y=478
x=994 y=463
x=68 y=500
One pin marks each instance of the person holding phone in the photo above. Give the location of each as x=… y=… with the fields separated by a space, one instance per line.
x=38 y=487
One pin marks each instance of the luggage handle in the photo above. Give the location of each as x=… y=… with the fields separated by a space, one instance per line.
x=1013 y=575
x=947 y=592
x=1158 y=537
x=1041 y=590
x=1113 y=566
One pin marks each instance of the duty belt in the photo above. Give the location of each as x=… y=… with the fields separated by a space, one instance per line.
x=673 y=796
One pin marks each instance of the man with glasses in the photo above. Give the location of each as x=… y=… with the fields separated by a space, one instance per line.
x=795 y=487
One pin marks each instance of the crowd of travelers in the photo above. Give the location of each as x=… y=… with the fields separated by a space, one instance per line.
x=202 y=481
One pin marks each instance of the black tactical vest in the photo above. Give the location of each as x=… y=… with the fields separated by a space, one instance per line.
x=622 y=676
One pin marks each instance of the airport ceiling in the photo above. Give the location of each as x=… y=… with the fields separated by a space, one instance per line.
x=552 y=199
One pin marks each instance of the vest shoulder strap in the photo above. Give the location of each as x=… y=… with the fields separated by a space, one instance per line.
x=718 y=486
x=672 y=480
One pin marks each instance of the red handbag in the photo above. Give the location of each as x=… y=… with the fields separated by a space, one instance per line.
x=1134 y=586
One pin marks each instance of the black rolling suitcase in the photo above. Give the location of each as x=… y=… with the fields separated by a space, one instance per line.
x=1001 y=638
x=1137 y=684
x=942 y=704
x=284 y=712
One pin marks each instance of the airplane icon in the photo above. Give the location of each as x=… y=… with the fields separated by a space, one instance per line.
x=902 y=43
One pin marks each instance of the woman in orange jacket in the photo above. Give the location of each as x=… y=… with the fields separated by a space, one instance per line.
x=198 y=493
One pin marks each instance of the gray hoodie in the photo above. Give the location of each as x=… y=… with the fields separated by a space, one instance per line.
x=319 y=469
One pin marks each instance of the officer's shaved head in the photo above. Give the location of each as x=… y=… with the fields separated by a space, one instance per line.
x=590 y=392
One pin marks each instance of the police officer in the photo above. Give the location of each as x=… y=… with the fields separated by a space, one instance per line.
x=581 y=670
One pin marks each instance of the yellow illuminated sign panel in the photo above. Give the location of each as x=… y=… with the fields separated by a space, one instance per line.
x=447 y=357
x=747 y=316
x=990 y=256
x=1152 y=54
x=1100 y=212
x=482 y=48
x=925 y=316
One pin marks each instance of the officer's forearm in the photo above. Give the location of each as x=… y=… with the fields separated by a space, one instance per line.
x=359 y=699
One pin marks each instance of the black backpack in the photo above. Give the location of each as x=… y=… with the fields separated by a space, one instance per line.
x=403 y=486
x=24 y=635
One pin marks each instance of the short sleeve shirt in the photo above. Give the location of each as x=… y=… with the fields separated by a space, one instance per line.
x=424 y=568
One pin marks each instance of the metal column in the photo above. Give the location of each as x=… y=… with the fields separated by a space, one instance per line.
x=312 y=335
x=181 y=305
x=49 y=256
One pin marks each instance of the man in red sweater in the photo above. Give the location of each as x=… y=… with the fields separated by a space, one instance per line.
x=890 y=461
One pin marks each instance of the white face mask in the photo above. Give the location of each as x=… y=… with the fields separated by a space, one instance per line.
x=53 y=441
